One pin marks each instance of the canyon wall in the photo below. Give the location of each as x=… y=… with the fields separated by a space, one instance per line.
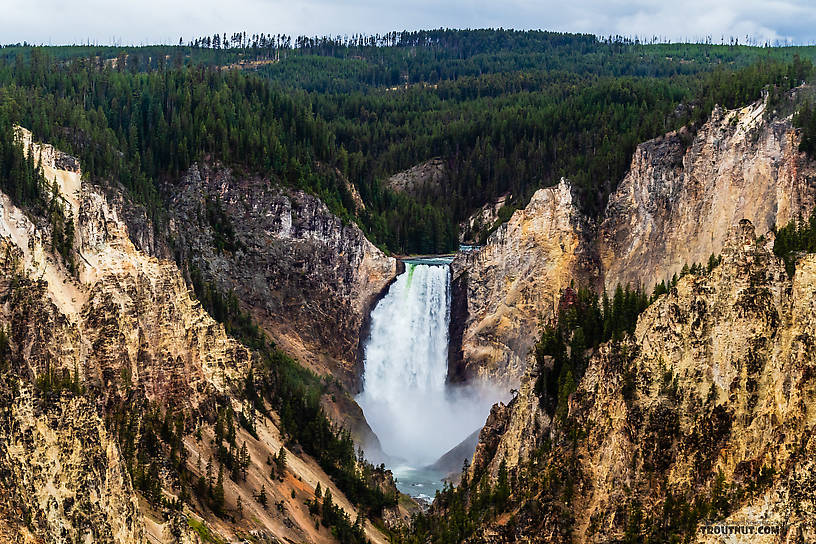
x=674 y=207
x=106 y=337
x=711 y=404
x=503 y=291
x=307 y=278
x=676 y=204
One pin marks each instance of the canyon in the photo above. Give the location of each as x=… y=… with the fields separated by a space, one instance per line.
x=121 y=330
x=709 y=400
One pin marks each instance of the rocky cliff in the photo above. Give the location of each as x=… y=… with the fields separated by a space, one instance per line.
x=503 y=291
x=308 y=278
x=676 y=203
x=682 y=194
x=706 y=415
x=111 y=374
x=423 y=179
x=61 y=474
x=475 y=228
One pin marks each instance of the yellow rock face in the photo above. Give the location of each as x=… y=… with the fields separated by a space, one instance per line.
x=122 y=324
x=719 y=381
x=513 y=283
x=675 y=205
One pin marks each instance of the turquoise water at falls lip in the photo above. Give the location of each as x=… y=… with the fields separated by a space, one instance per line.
x=442 y=260
x=405 y=399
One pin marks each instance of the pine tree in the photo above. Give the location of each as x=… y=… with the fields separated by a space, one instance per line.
x=219 y=429
x=209 y=475
x=327 y=517
x=201 y=486
x=218 y=491
x=660 y=289
x=359 y=527
x=607 y=317
x=244 y=460
x=261 y=497
x=5 y=351
x=502 y=487
x=280 y=461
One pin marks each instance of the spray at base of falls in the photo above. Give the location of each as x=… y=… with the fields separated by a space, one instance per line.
x=405 y=398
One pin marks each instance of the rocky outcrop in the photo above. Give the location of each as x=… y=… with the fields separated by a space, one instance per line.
x=61 y=474
x=512 y=284
x=706 y=415
x=475 y=228
x=424 y=178
x=676 y=204
x=674 y=207
x=306 y=277
x=512 y=432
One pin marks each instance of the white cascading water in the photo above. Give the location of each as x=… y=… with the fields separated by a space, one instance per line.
x=405 y=398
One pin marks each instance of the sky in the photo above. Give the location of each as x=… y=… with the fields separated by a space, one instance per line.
x=165 y=21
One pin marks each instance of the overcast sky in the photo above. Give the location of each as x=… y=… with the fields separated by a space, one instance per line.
x=153 y=21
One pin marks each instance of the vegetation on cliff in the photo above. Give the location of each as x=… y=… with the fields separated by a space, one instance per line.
x=665 y=432
x=21 y=178
x=583 y=322
x=295 y=394
x=795 y=238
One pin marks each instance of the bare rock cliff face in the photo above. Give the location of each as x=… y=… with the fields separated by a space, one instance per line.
x=511 y=432
x=120 y=321
x=424 y=178
x=707 y=414
x=503 y=291
x=123 y=318
x=675 y=205
x=62 y=474
x=308 y=278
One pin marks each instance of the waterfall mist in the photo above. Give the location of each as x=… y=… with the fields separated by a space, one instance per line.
x=405 y=398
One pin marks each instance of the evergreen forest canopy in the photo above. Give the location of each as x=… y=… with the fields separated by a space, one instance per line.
x=507 y=112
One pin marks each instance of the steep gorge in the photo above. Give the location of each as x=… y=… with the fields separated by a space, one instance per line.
x=121 y=331
x=307 y=277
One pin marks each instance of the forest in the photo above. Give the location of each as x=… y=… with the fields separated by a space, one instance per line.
x=507 y=112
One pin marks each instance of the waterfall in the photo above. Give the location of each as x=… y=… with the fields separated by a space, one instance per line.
x=405 y=398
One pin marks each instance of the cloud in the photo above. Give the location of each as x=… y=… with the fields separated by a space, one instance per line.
x=152 y=21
